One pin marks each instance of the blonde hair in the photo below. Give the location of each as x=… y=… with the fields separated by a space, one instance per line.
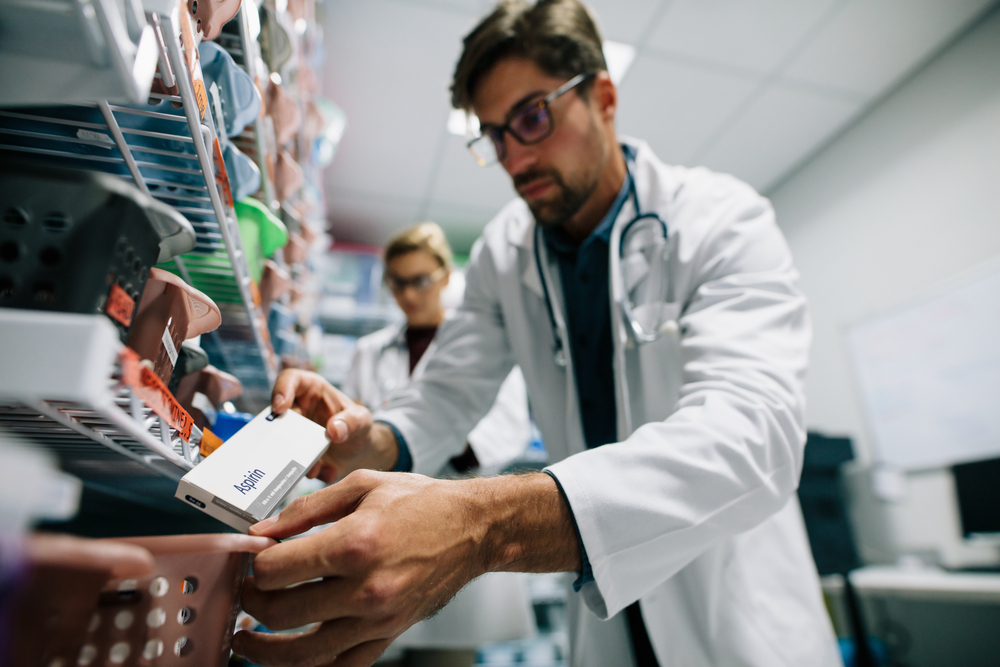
x=427 y=236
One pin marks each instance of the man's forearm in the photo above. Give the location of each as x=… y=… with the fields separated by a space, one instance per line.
x=525 y=524
x=385 y=449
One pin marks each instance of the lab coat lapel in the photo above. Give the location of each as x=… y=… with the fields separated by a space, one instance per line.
x=525 y=241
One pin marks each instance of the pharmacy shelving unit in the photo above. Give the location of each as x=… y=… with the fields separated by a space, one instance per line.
x=257 y=139
x=68 y=384
x=170 y=151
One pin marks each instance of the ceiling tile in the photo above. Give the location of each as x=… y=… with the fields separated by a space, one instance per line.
x=624 y=20
x=396 y=104
x=368 y=217
x=870 y=44
x=462 y=182
x=677 y=107
x=775 y=133
x=754 y=36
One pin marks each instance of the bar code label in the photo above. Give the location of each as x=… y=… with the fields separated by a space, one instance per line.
x=168 y=345
x=91 y=137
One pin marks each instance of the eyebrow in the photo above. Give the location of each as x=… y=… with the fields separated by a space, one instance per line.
x=517 y=106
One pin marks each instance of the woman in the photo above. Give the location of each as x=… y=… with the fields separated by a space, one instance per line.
x=418 y=263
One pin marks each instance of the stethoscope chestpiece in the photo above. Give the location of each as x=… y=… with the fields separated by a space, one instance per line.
x=669 y=327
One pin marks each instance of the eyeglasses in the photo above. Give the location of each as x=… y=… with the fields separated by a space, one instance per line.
x=420 y=282
x=529 y=125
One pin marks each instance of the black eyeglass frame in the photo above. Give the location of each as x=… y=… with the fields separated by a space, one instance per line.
x=495 y=134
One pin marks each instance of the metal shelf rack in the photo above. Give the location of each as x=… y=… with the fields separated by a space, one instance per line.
x=73 y=399
x=253 y=141
x=170 y=151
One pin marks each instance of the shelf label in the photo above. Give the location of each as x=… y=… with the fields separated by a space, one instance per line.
x=221 y=177
x=120 y=306
x=150 y=388
x=95 y=138
x=168 y=345
x=255 y=293
x=199 y=95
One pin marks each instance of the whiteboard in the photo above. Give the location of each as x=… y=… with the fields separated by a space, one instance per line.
x=929 y=376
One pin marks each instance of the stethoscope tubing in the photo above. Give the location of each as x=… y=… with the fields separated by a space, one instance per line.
x=559 y=351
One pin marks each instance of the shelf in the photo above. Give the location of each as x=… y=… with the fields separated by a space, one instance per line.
x=66 y=383
x=171 y=152
x=257 y=140
x=67 y=51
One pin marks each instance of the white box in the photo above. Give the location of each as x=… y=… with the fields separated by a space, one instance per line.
x=245 y=479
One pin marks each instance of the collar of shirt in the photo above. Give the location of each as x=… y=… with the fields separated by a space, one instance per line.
x=559 y=241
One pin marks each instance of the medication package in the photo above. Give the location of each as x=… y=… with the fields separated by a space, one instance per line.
x=245 y=479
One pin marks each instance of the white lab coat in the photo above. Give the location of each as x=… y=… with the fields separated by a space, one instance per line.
x=694 y=513
x=495 y=607
x=381 y=365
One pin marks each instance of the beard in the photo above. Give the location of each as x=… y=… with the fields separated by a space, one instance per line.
x=563 y=204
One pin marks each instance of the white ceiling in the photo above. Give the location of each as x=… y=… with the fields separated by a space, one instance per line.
x=750 y=87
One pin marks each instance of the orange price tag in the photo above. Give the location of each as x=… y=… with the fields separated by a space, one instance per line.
x=221 y=177
x=150 y=388
x=200 y=96
x=255 y=293
x=209 y=442
x=120 y=306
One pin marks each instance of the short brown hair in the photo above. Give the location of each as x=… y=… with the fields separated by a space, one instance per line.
x=426 y=236
x=560 y=36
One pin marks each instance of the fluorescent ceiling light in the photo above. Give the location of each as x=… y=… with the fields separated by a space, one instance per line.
x=619 y=57
x=461 y=124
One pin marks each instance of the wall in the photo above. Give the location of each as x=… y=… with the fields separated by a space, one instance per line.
x=906 y=199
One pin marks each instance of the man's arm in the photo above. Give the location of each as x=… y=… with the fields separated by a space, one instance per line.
x=434 y=414
x=460 y=382
x=400 y=549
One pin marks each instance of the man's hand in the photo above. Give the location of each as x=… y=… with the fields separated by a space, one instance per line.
x=400 y=549
x=354 y=442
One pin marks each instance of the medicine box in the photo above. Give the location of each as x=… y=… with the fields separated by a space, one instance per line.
x=245 y=479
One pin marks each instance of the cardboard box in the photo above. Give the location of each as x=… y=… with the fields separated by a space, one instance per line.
x=246 y=479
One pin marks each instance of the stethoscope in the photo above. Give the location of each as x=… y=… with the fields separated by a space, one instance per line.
x=637 y=331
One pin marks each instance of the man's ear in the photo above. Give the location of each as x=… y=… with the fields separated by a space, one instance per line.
x=604 y=95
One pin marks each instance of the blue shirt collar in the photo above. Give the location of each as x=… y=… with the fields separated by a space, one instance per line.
x=558 y=240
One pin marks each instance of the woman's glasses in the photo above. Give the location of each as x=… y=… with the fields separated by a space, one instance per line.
x=529 y=125
x=420 y=282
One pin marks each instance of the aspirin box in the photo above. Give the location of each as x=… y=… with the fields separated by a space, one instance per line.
x=245 y=479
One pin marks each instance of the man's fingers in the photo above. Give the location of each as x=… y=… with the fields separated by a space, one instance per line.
x=319 y=645
x=363 y=655
x=314 y=509
x=328 y=473
x=294 y=607
x=349 y=421
x=283 y=394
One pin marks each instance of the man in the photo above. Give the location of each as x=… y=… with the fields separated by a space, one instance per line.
x=676 y=461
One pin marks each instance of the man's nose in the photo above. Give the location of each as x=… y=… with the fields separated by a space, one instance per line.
x=519 y=158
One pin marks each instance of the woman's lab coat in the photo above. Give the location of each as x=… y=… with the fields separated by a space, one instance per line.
x=495 y=607
x=381 y=365
x=694 y=514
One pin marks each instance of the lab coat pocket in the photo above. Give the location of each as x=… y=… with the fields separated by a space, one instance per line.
x=658 y=366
